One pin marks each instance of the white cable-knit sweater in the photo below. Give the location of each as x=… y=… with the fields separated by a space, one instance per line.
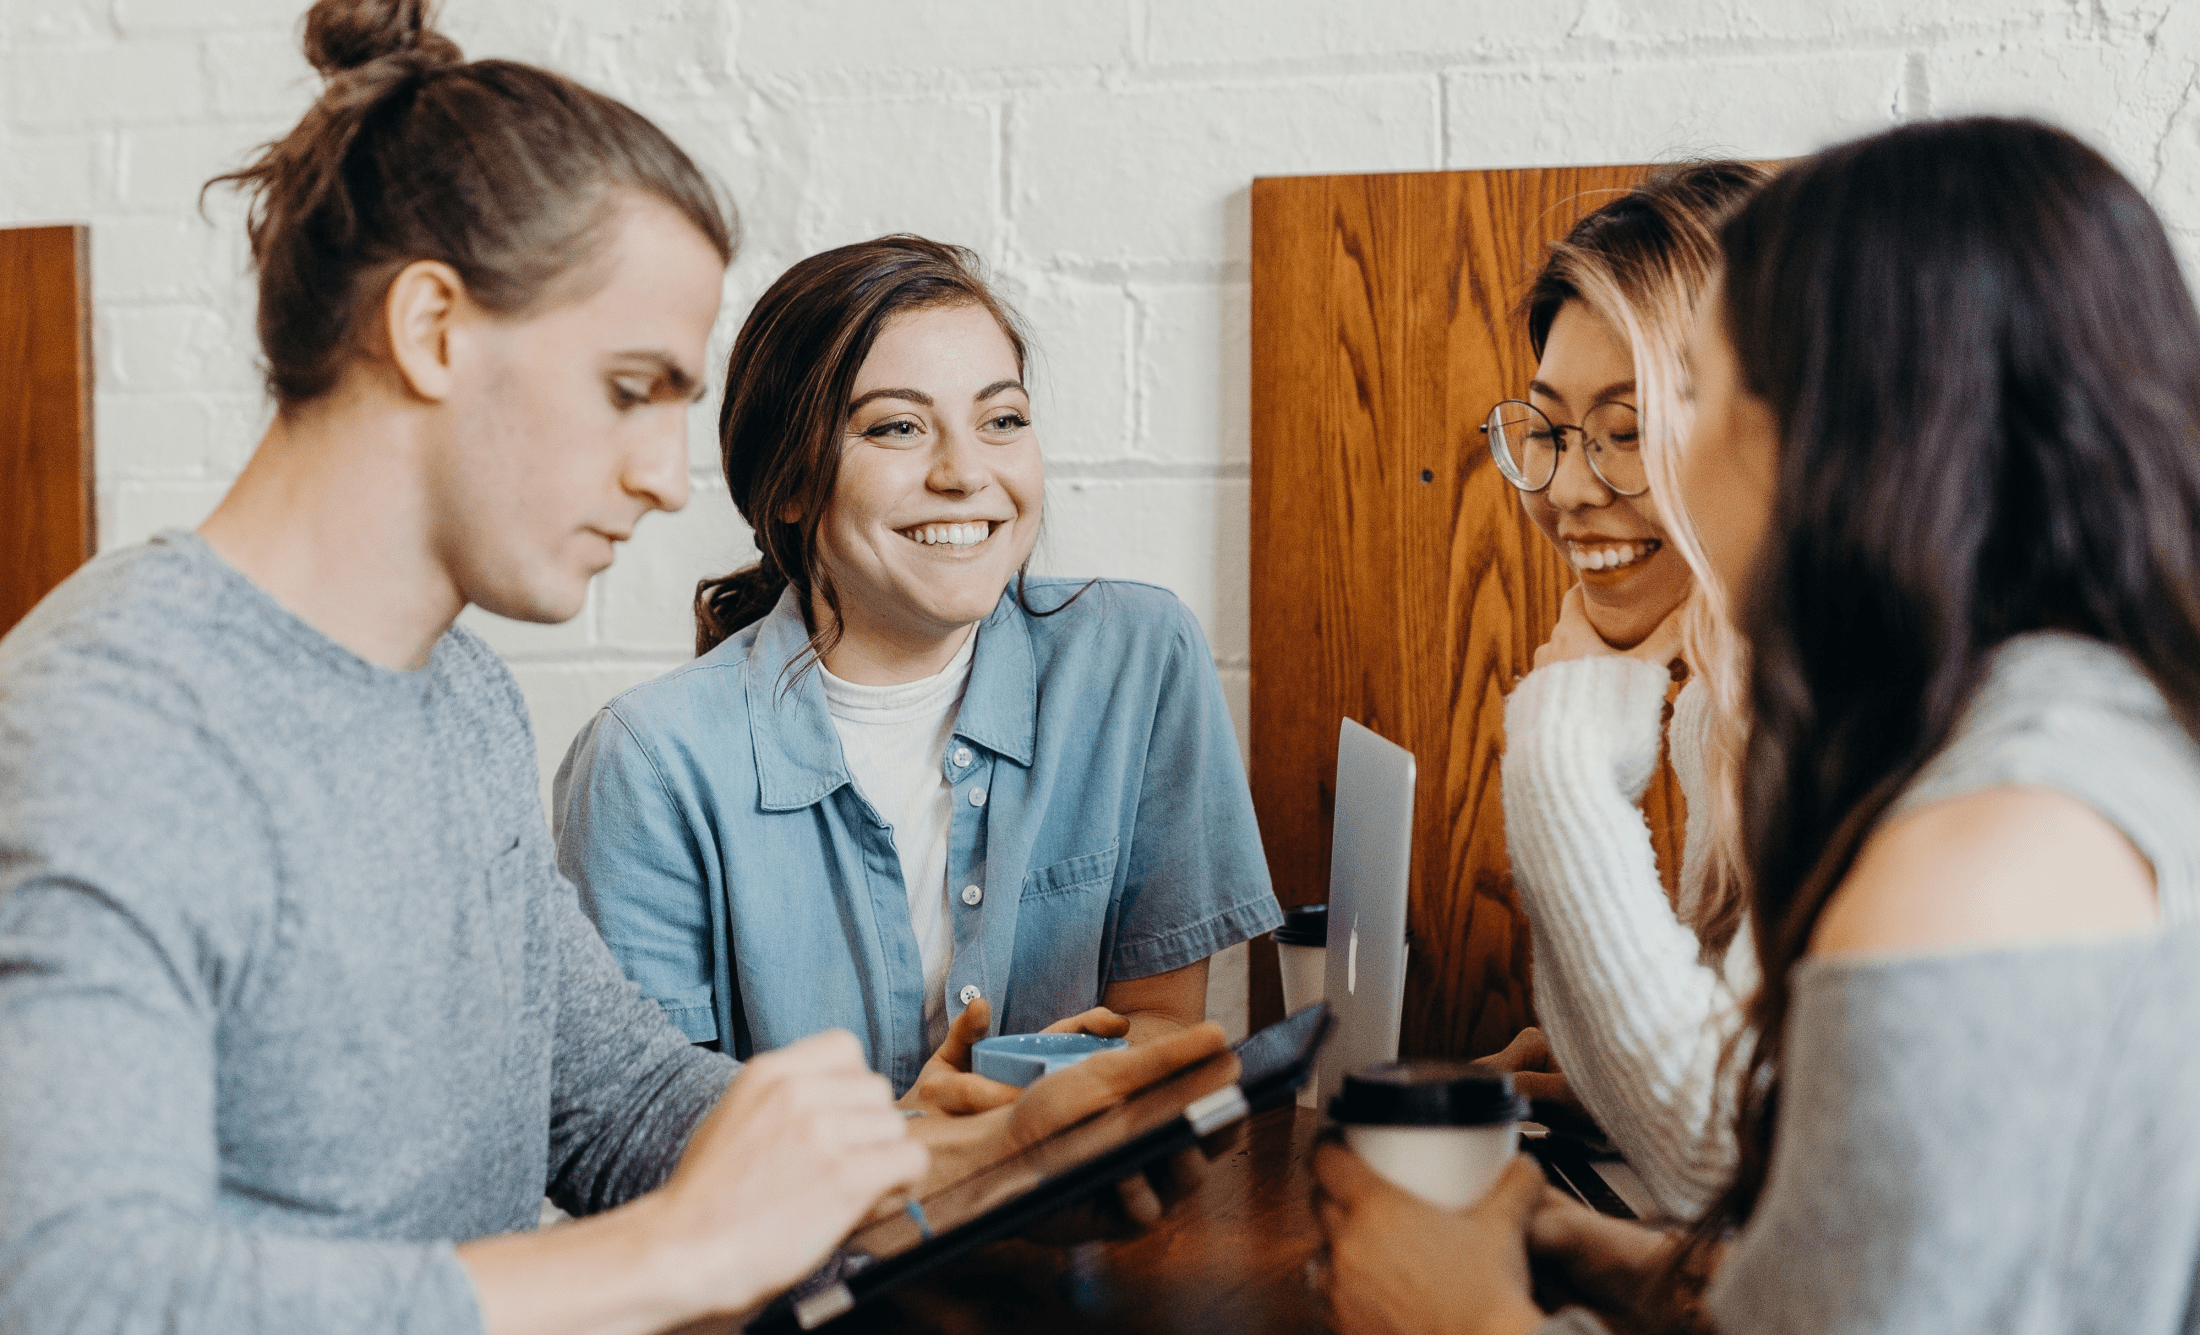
x=1635 y=1019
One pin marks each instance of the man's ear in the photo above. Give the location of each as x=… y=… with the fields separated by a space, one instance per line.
x=417 y=316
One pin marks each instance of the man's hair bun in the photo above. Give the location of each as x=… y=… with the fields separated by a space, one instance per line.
x=346 y=34
x=508 y=173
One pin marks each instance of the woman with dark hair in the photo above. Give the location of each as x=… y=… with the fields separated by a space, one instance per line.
x=1948 y=452
x=905 y=785
x=1637 y=993
x=298 y=1021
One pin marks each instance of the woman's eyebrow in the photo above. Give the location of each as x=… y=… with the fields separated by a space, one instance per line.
x=917 y=396
x=997 y=387
x=1604 y=395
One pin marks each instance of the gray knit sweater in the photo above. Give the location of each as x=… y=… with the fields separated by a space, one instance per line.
x=2001 y=1140
x=292 y=995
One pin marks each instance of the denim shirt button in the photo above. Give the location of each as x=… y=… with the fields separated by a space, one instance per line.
x=962 y=756
x=977 y=797
x=972 y=894
x=969 y=993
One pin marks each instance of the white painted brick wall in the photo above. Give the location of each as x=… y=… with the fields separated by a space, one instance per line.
x=1098 y=153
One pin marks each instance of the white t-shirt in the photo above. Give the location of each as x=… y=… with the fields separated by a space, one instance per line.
x=895 y=740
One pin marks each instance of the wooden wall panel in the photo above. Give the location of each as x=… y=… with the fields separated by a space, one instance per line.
x=1396 y=578
x=46 y=526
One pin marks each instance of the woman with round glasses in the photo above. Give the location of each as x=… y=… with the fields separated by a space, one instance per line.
x=1635 y=994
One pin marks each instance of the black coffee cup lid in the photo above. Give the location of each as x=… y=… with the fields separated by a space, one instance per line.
x=1306 y=925
x=1429 y=1092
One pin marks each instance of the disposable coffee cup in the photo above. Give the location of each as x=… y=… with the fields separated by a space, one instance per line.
x=1301 y=949
x=1443 y=1130
x=1302 y=953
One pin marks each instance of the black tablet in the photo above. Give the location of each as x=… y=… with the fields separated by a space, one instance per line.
x=1063 y=1170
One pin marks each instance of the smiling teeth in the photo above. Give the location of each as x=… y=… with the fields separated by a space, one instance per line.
x=950 y=535
x=1609 y=555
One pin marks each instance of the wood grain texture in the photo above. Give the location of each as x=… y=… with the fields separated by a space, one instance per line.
x=1396 y=579
x=46 y=527
x=1231 y=1257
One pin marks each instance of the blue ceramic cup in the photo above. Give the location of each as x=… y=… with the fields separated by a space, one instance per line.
x=1019 y=1059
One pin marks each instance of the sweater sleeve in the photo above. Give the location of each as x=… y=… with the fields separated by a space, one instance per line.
x=628 y=1087
x=1635 y=1019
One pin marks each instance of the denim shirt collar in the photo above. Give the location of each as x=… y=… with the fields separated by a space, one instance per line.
x=798 y=755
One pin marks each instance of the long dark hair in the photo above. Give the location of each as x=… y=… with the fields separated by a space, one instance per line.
x=1985 y=366
x=788 y=383
x=508 y=173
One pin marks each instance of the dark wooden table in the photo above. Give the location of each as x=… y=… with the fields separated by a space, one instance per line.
x=1232 y=1257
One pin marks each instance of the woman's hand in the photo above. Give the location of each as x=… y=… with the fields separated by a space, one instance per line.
x=1534 y=1070
x=1060 y=1100
x=1398 y=1264
x=1100 y=1022
x=948 y=1087
x=1573 y=637
x=962 y=1146
x=804 y=1142
x=1617 y=1267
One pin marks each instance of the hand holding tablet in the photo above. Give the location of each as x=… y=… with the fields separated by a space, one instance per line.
x=809 y=1126
x=965 y=1147
x=1034 y=1167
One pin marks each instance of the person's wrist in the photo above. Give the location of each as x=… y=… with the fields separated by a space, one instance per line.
x=678 y=1272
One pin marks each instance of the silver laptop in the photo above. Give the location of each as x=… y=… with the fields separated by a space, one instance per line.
x=1370 y=861
x=1370 y=856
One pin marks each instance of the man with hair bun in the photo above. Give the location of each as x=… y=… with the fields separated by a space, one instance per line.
x=298 y=1020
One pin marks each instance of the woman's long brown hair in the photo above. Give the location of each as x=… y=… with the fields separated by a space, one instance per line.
x=1985 y=366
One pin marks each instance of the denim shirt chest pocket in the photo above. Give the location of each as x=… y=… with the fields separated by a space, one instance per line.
x=1062 y=923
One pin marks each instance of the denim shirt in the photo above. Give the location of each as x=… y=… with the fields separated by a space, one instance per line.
x=1101 y=830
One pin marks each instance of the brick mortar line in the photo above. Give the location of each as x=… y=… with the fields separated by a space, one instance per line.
x=1136 y=74
x=825 y=88
x=821 y=86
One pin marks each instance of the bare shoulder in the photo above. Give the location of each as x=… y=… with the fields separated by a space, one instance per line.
x=2002 y=866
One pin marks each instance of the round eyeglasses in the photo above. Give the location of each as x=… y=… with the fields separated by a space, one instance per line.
x=1526 y=445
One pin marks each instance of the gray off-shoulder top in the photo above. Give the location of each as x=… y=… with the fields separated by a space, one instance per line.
x=2001 y=1140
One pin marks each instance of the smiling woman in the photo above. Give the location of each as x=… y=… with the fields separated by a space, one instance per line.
x=938 y=500
x=905 y=788
x=1636 y=992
